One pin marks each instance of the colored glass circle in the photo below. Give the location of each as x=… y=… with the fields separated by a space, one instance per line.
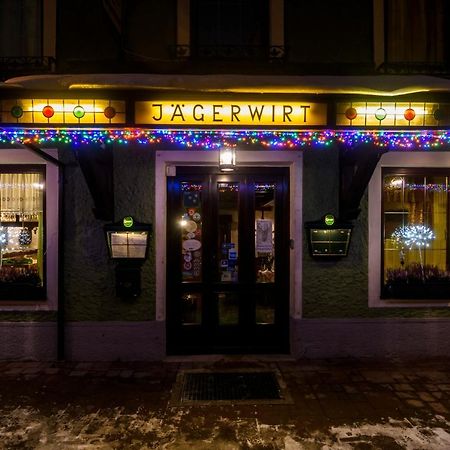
x=439 y=114
x=48 y=111
x=78 y=112
x=329 y=220
x=128 y=222
x=380 y=114
x=17 y=111
x=409 y=114
x=351 y=113
x=109 y=112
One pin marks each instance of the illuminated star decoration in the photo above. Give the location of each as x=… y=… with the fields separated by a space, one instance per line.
x=413 y=235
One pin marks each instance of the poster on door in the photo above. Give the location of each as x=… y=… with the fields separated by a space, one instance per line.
x=264 y=243
x=191 y=236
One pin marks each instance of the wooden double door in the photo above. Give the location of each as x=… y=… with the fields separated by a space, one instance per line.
x=228 y=261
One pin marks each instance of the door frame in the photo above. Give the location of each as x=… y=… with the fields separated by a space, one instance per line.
x=166 y=161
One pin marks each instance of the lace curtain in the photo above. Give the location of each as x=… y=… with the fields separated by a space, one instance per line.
x=20 y=193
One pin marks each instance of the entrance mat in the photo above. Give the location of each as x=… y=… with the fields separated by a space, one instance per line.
x=229 y=386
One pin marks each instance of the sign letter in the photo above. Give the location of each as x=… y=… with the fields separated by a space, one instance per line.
x=200 y=118
x=159 y=105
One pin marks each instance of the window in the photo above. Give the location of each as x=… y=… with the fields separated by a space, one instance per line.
x=415 y=223
x=415 y=31
x=230 y=28
x=22 y=232
x=21 y=28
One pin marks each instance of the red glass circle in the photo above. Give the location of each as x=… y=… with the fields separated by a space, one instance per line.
x=109 y=112
x=351 y=113
x=409 y=114
x=48 y=111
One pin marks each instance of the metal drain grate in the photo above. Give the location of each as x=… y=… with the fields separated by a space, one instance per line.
x=207 y=386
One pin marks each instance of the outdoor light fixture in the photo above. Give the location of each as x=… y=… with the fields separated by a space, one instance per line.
x=128 y=243
x=227 y=159
x=328 y=236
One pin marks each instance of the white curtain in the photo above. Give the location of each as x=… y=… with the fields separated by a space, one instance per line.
x=21 y=193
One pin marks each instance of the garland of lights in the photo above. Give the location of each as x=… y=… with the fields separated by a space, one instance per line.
x=206 y=139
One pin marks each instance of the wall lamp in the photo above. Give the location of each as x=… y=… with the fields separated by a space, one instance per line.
x=128 y=243
x=227 y=159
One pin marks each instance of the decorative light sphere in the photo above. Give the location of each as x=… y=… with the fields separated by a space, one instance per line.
x=25 y=237
x=413 y=235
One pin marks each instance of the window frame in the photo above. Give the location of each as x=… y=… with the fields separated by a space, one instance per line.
x=37 y=293
x=394 y=160
x=411 y=171
x=25 y=161
x=275 y=38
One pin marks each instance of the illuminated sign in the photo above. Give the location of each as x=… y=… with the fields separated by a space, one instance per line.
x=225 y=113
x=393 y=114
x=62 y=111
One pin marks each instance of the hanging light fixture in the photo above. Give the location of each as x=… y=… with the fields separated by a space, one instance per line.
x=227 y=159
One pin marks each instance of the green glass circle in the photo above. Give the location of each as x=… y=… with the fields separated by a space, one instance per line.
x=329 y=220
x=78 y=112
x=17 y=111
x=128 y=222
x=380 y=114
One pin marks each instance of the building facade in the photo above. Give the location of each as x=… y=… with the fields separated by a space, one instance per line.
x=126 y=234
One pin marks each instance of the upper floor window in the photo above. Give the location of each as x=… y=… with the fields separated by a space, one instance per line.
x=22 y=223
x=230 y=28
x=416 y=220
x=415 y=31
x=21 y=27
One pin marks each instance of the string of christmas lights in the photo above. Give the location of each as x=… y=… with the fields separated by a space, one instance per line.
x=207 y=139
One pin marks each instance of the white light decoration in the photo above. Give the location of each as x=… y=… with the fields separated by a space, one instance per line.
x=413 y=236
x=227 y=159
x=3 y=236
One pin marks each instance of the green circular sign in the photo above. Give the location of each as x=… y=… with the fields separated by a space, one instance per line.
x=128 y=222
x=329 y=220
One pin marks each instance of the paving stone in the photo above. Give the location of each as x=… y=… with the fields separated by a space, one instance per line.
x=439 y=407
x=415 y=403
x=426 y=396
x=403 y=387
x=78 y=373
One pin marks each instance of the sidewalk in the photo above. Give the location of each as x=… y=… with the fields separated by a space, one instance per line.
x=336 y=404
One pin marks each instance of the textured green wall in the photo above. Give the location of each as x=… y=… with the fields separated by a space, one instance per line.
x=89 y=274
x=338 y=289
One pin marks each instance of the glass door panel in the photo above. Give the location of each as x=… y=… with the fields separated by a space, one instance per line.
x=228 y=238
x=265 y=232
x=191 y=232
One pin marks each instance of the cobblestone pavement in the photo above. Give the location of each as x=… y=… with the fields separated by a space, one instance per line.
x=336 y=404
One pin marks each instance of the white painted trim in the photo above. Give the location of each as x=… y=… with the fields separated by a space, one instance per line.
x=291 y=159
x=23 y=156
x=393 y=159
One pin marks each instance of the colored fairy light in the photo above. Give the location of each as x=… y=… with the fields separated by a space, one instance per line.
x=351 y=113
x=409 y=114
x=109 y=112
x=17 y=111
x=48 y=111
x=215 y=139
x=380 y=114
x=413 y=236
x=78 y=112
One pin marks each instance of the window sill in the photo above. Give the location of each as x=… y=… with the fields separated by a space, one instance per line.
x=417 y=291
